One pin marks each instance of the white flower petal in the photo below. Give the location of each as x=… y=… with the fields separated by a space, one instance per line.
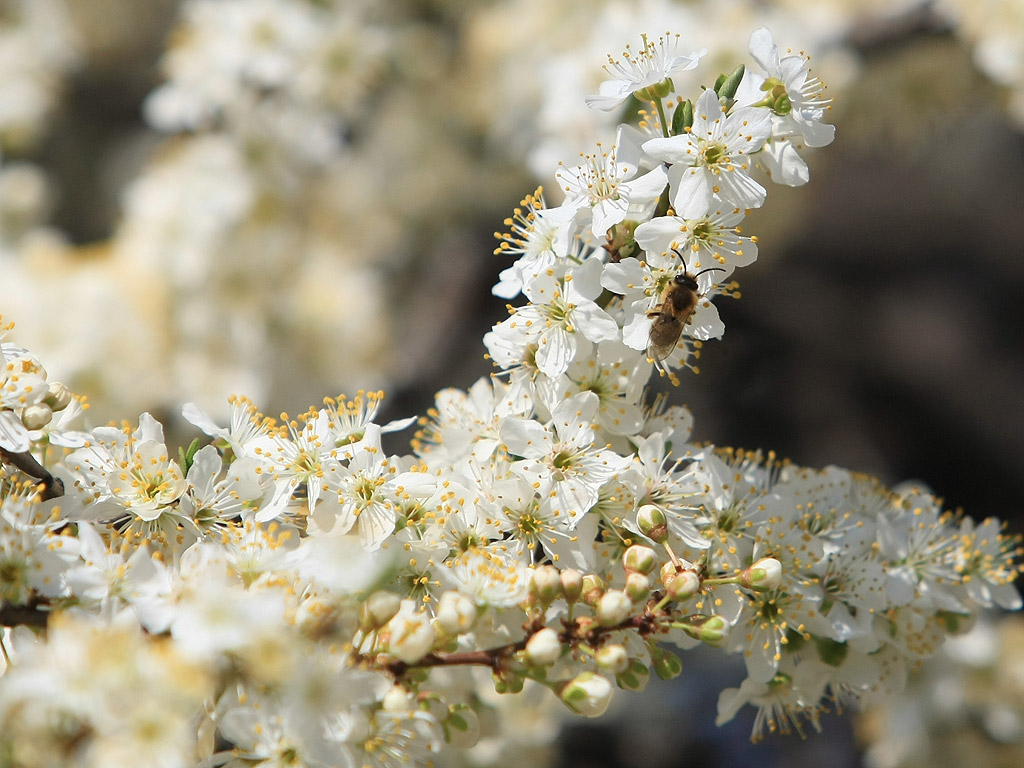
x=693 y=192
x=525 y=437
x=764 y=51
x=13 y=434
x=556 y=348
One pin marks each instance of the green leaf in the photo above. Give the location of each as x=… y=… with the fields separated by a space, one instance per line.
x=726 y=85
x=187 y=456
x=682 y=118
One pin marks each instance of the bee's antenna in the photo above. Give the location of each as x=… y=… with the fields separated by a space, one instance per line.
x=709 y=269
x=680 y=255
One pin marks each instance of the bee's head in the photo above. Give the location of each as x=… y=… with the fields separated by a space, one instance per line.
x=686 y=280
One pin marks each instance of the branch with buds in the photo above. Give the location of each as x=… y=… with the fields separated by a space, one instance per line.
x=292 y=590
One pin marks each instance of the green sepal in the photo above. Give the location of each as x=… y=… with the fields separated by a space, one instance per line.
x=621 y=242
x=795 y=641
x=655 y=91
x=456 y=721
x=416 y=676
x=635 y=678
x=831 y=652
x=507 y=681
x=955 y=623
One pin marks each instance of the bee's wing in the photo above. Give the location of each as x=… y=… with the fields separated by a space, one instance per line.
x=664 y=335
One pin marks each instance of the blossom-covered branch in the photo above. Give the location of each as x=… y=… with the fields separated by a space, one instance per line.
x=291 y=593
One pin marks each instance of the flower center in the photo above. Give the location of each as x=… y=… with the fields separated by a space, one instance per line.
x=713 y=153
x=562 y=460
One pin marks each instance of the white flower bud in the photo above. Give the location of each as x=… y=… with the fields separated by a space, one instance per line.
x=58 y=396
x=410 y=633
x=398 y=699
x=613 y=658
x=544 y=648
x=763 y=576
x=36 y=416
x=206 y=738
x=378 y=610
x=546 y=583
x=456 y=613
x=588 y=694
x=613 y=608
x=572 y=584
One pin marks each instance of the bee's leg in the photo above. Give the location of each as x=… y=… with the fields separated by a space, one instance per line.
x=652 y=313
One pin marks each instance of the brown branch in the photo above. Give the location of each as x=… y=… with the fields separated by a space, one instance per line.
x=26 y=462
x=580 y=631
x=29 y=615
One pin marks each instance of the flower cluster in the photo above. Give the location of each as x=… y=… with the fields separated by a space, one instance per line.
x=293 y=593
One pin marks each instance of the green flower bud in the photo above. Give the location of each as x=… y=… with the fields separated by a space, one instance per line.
x=683 y=585
x=714 y=631
x=682 y=118
x=640 y=559
x=652 y=523
x=638 y=587
x=666 y=664
x=593 y=588
x=763 y=576
x=507 y=681
x=635 y=678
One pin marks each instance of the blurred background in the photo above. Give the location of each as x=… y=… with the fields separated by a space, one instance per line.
x=291 y=199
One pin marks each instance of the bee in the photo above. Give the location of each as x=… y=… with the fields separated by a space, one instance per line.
x=673 y=313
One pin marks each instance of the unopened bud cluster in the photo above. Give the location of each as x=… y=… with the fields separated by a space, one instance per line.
x=28 y=401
